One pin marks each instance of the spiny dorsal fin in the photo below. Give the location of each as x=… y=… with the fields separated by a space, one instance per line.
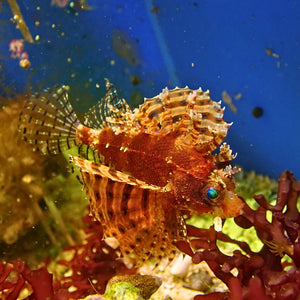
x=109 y=106
x=48 y=121
x=191 y=115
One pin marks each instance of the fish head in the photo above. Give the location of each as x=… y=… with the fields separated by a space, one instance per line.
x=218 y=194
x=213 y=194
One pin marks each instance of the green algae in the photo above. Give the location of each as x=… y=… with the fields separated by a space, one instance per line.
x=124 y=291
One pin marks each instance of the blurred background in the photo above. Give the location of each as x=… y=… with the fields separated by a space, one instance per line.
x=245 y=52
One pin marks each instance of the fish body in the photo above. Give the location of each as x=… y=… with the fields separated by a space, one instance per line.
x=142 y=170
x=154 y=159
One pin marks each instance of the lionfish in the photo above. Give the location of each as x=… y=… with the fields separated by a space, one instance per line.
x=143 y=170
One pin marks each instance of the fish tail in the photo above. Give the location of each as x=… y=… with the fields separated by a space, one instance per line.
x=48 y=121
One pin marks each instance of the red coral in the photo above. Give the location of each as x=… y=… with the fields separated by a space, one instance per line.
x=260 y=275
x=92 y=265
x=15 y=276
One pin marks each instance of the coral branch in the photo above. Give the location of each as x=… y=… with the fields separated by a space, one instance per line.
x=94 y=261
x=16 y=276
x=260 y=275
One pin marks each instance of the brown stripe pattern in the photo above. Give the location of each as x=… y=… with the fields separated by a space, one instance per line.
x=48 y=121
x=141 y=219
x=191 y=114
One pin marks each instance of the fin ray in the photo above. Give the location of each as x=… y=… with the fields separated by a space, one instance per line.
x=110 y=106
x=48 y=121
x=139 y=217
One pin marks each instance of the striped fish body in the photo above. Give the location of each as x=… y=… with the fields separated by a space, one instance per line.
x=144 y=222
x=154 y=159
x=142 y=170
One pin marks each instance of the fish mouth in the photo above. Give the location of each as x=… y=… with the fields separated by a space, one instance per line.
x=231 y=206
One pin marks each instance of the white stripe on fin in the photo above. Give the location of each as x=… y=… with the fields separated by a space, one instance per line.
x=104 y=171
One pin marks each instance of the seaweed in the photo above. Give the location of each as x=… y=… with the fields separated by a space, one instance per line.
x=18 y=18
x=40 y=202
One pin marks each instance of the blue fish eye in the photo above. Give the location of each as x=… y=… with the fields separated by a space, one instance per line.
x=212 y=193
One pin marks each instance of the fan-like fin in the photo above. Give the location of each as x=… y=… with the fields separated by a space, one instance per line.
x=192 y=115
x=88 y=153
x=48 y=121
x=109 y=106
x=141 y=218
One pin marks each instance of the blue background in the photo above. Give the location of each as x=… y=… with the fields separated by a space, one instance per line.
x=218 y=45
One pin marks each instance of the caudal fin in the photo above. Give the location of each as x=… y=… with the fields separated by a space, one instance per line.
x=48 y=121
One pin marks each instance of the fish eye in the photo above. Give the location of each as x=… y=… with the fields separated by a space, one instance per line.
x=212 y=193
